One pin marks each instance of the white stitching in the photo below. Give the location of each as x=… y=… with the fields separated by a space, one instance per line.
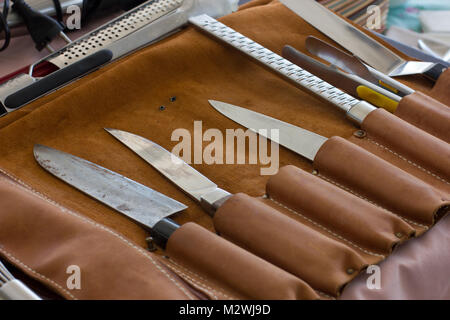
x=199 y=277
x=95 y=224
x=366 y=199
x=407 y=160
x=326 y=229
x=12 y=258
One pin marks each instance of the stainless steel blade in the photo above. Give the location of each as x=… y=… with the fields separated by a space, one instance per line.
x=354 y=40
x=301 y=141
x=179 y=172
x=136 y=201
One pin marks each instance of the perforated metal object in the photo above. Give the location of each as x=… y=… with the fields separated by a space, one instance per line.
x=275 y=62
x=113 y=31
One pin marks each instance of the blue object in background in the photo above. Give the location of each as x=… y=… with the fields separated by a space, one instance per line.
x=405 y=13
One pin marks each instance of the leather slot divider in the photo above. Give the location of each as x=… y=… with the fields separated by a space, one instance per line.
x=322 y=262
x=426 y=113
x=368 y=176
x=371 y=227
x=226 y=271
x=43 y=239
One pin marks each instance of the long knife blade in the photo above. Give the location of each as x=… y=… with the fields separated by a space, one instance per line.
x=360 y=44
x=136 y=201
x=301 y=141
x=179 y=172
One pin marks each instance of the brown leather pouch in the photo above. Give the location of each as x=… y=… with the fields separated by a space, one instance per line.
x=226 y=271
x=426 y=113
x=201 y=264
x=407 y=147
x=440 y=89
x=44 y=239
x=371 y=178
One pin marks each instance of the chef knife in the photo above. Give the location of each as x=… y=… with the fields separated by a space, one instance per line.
x=361 y=45
x=141 y=204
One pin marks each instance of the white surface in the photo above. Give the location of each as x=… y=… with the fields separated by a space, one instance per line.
x=435 y=20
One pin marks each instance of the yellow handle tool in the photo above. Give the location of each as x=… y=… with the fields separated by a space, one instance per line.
x=377 y=99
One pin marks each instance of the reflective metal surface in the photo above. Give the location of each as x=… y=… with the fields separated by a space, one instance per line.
x=301 y=141
x=140 y=203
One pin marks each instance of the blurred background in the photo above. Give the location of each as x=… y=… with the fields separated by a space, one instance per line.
x=423 y=25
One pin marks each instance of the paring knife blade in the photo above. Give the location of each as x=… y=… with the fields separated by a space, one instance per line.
x=301 y=141
x=360 y=44
x=176 y=170
x=136 y=201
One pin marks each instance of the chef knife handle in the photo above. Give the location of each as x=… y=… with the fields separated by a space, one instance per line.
x=434 y=72
x=162 y=231
x=58 y=79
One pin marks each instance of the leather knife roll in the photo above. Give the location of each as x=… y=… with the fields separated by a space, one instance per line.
x=370 y=177
x=225 y=271
x=298 y=249
x=426 y=113
x=440 y=89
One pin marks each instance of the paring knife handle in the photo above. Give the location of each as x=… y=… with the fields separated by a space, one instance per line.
x=162 y=231
x=435 y=72
x=58 y=79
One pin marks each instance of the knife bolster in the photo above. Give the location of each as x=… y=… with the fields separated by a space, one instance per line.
x=162 y=231
x=211 y=201
x=359 y=111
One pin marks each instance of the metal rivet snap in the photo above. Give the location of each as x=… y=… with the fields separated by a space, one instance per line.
x=162 y=108
x=150 y=244
x=359 y=133
x=315 y=172
x=172 y=99
x=350 y=270
x=399 y=234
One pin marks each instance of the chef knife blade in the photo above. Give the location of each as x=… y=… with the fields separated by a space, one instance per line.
x=143 y=205
x=176 y=170
x=361 y=45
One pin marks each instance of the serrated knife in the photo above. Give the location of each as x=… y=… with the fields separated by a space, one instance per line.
x=360 y=44
x=141 y=204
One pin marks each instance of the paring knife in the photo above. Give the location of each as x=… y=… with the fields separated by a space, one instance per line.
x=350 y=83
x=340 y=158
x=353 y=65
x=360 y=44
x=143 y=205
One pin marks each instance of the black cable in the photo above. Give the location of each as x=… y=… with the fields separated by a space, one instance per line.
x=4 y=25
x=58 y=11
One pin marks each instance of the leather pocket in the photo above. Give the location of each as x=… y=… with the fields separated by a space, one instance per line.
x=426 y=113
x=345 y=214
x=376 y=180
x=222 y=270
x=267 y=232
